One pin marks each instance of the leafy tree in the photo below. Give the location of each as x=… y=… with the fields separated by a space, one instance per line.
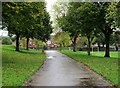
x=23 y=42
x=13 y=19
x=100 y=39
x=62 y=39
x=68 y=22
x=118 y=15
x=87 y=15
x=81 y=43
x=27 y=19
x=39 y=43
x=107 y=14
x=60 y=9
x=114 y=39
x=33 y=21
x=46 y=28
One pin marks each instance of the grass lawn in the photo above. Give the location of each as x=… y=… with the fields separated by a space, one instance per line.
x=19 y=66
x=108 y=67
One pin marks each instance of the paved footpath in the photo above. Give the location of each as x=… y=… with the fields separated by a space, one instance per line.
x=60 y=70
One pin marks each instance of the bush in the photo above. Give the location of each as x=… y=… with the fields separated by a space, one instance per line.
x=6 y=40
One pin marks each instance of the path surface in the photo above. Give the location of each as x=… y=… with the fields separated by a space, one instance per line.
x=60 y=70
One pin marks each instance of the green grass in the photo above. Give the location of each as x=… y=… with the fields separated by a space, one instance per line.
x=19 y=66
x=108 y=67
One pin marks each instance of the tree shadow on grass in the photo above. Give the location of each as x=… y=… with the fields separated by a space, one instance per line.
x=85 y=56
x=28 y=52
x=98 y=57
x=13 y=49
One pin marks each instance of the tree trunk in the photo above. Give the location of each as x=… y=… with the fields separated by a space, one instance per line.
x=88 y=45
x=27 y=47
x=60 y=46
x=116 y=47
x=103 y=45
x=74 y=44
x=99 y=46
x=107 y=39
x=17 y=42
x=63 y=44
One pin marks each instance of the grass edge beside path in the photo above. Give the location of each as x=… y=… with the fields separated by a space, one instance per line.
x=107 y=67
x=18 y=67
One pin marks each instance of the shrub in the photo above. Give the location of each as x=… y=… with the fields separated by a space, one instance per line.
x=6 y=40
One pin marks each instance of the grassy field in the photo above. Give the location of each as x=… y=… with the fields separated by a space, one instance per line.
x=107 y=67
x=19 y=66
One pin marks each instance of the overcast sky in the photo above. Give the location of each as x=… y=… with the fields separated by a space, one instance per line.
x=49 y=6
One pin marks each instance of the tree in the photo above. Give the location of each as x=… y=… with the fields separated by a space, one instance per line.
x=87 y=15
x=46 y=28
x=81 y=42
x=100 y=39
x=33 y=14
x=107 y=14
x=114 y=39
x=62 y=39
x=68 y=22
x=13 y=19
x=27 y=19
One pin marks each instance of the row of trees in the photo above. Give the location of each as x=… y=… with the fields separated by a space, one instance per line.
x=90 y=19
x=26 y=19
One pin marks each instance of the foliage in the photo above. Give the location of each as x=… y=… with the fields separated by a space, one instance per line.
x=89 y=19
x=26 y=19
x=108 y=68
x=67 y=22
x=118 y=14
x=100 y=39
x=107 y=20
x=82 y=42
x=6 y=40
x=23 y=42
x=87 y=16
x=13 y=39
x=62 y=39
x=114 y=39
x=17 y=67
x=60 y=9
x=39 y=43
x=46 y=30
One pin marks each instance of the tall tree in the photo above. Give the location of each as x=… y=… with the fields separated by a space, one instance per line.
x=34 y=12
x=13 y=19
x=27 y=19
x=107 y=21
x=46 y=28
x=87 y=15
x=68 y=22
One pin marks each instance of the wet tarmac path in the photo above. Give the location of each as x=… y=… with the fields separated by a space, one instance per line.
x=60 y=70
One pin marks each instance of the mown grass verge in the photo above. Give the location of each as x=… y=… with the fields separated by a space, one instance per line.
x=17 y=67
x=107 y=67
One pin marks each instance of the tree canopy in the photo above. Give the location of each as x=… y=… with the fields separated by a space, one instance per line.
x=91 y=19
x=27 y=19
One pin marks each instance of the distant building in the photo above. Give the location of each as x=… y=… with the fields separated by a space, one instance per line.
x=32 y=44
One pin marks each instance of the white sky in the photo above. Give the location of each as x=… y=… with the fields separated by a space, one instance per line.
x=49 y=7
x=50 y=4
